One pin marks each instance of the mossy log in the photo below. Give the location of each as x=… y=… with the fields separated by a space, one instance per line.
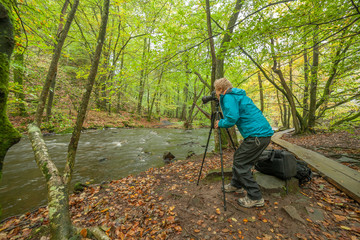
x=58 y=199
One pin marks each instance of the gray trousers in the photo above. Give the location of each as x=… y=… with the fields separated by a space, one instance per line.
x=244 y=159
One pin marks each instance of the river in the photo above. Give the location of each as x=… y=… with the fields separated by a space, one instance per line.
x=102 y=155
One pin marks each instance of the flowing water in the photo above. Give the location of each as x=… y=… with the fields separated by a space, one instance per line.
x=102 y=155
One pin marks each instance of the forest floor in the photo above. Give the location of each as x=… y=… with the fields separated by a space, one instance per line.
x=166 y=203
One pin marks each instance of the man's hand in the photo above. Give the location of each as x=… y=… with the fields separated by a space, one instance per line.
x=216 y=124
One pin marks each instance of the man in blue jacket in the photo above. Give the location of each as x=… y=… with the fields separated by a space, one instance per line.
x=238 y=109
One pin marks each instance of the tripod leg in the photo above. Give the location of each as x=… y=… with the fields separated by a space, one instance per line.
x=222 y=168
x=207 y=144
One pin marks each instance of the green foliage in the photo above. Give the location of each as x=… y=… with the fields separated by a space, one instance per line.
x=59 y=123
x=177 y=46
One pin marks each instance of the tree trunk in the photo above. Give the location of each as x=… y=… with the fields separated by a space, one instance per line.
x=151 y=105
x=118 y=106
x=184 y=107
x=306 y=88
x=220 y=57
x=313 y=83
x=339 y=56
x=213 y=68
x=280 y=108
x=284 y=91
x=53 y=65
x=51 y=98
x=8 y=134
x=53 y=81
x=261 y=90
x=142 y=76
x=189 y=120
x=288 y=92
x=212 y=46
x=58 y=200
x=70 y=161
x=19 y=80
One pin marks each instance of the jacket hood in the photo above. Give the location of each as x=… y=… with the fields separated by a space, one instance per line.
x=236 y=91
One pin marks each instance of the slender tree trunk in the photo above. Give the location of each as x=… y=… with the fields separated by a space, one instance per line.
x=306 y=89
x=261 y=90
x=151 y=105
x=339 y=55
x=184 y=107
x=189 y=120
x=121 y=76
x=220 y=57
x=142 y=75
x=213 y=70
x=70 y=161
x=19 y=80
x=212 y=47
x=178 y=101
x=51 y=97
x=101 y=100
x=313 y=83
x=8 y=134
x=280 y=108
x=53 y=81
x=285 y=120
x=53 y=65
x=288 y=92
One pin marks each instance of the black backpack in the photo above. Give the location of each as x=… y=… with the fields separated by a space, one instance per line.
x=284 y=165
x=278 y=163
x=303 y=172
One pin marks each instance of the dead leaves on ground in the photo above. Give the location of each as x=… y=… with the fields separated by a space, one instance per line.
x=143 y=207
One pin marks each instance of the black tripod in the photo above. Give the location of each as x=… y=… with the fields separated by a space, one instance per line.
x=216 y=116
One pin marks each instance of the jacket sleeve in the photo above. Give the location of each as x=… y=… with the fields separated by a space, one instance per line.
x=230 y=109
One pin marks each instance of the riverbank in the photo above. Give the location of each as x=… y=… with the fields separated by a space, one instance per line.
x=166 y=203
x=95 y=120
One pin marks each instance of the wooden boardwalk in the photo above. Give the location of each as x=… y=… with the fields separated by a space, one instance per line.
x=341 y=176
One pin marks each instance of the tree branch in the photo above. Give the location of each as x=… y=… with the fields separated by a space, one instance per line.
x=345 y=120
x=356 y=7
x=202 y=80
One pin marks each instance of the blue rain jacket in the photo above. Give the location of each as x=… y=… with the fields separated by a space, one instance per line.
x=239 y=109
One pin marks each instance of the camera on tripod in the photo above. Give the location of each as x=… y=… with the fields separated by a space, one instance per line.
x=212 y=97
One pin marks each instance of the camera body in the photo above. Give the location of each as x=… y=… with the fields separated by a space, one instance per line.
x=212 y=97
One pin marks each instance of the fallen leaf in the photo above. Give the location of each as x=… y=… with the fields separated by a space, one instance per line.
x=345 y=228
x=83 y=232
x=218 y=211
x=267 y=237
x=339 y=218
x=106 y=209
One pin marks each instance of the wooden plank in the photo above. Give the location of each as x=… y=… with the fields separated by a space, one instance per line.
x=341 y=176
